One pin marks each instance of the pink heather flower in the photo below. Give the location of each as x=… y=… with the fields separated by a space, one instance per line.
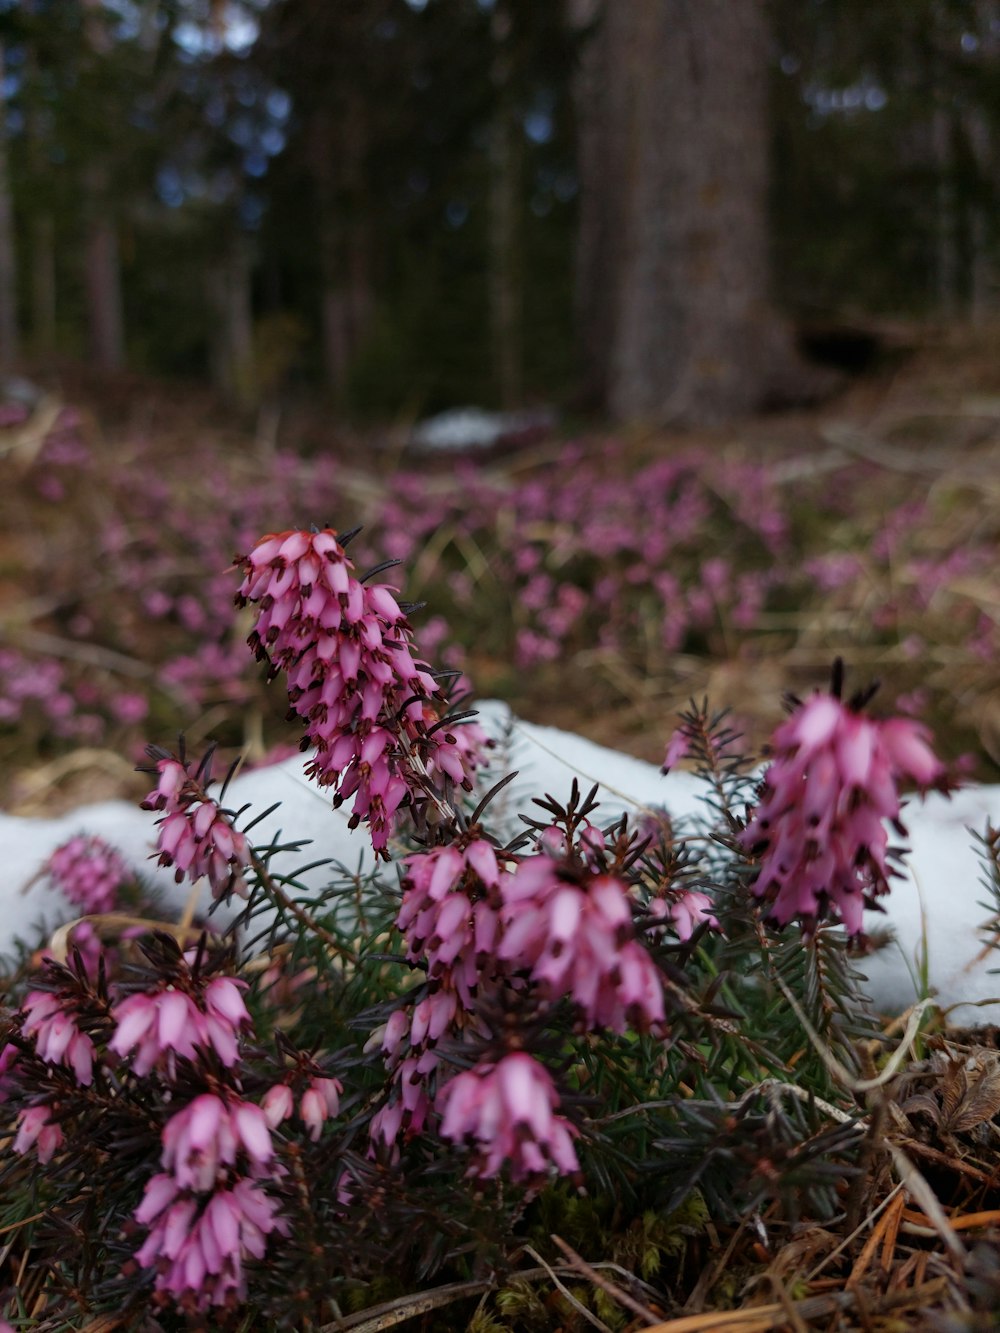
x=198 y=1249
x=167 y=1023
x=685 y=912
x=678 y=748
x=572 y=930
x=446 y=916
x=819 y=827
x=277 y=1104
x=320 y=1100
x=279 y=985
x=130 y=708
x=195 y=834
x=507 y=1111
x=346 y=650
x=460 y=751
x=36 y=1130
x=57 y=1038
x=590 y=842
x=410 y=1106
x=207 y=1134
x=408 y=1042
x=8 y=1060
x=89 y=872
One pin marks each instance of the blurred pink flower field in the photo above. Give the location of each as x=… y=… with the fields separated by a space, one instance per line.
x=599 y=581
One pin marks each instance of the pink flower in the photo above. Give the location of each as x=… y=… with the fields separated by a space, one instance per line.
x=199 y=1248
x=277 y=1105
x=57 y=1038
x=678 y=747
x=685 y=911
x=367 y=705
x=195 y=834
x=170 y=1022
x=507 y=1111
x=8 y=1061
x=571 y=928
x=320 y=1100
x=446 y=915
x=819 y=827
x=89 y=872
x=36 y=1129
x=207 y=1134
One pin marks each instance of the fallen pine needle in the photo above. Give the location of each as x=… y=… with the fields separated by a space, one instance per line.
x=878 y=1233
x=964 y=1222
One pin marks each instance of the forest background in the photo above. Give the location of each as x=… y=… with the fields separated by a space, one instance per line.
x=411 y=204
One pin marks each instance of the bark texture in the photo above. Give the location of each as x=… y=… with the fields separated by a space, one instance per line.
x=104 y=294
x=9 y=345
x=673 y=260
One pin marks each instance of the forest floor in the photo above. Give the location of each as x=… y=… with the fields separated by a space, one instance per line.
x=900 y=473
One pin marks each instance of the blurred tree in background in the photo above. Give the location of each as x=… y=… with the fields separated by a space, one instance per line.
x=410 y=204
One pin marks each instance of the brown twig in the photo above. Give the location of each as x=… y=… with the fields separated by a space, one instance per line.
x=300 y=913
x=757 y=1318
x=397 y=1311
x=566 y=1294
x=605 y=1284
x=787 y=1304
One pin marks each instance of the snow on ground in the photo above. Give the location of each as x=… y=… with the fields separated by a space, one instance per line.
x=940 y=903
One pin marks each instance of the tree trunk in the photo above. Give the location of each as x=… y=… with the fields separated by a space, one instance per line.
x=8 y=263
x=673 y=259
x=344 y=218
x=43 y=285
x=239 y=323
x=946 y=268
x=104 y=297
x=505 y=195
x=230 y=287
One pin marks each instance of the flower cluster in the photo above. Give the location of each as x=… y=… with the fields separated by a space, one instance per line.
x=36 y=1129
x=409 y=1043
x=571 y=928
x=163 y=1024
x=198 y=1244
x=345 y=647
x=206 y=1136
x=559 y=925
x=89 y=872
x=58 y=1039
x=507 y=1111
x=199 y=1257
x=819 y=827
x=447 y=915
x=684 y=911
x=195 y=834
x=319 y=1102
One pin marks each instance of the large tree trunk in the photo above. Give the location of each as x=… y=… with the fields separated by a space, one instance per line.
x=233 y=356
x=43 y=285
x=102 y=258
x=340 y=148
x=673 y=262
x=104 y=297
x=505 y=203
x=8 y=263
x=946 y=219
